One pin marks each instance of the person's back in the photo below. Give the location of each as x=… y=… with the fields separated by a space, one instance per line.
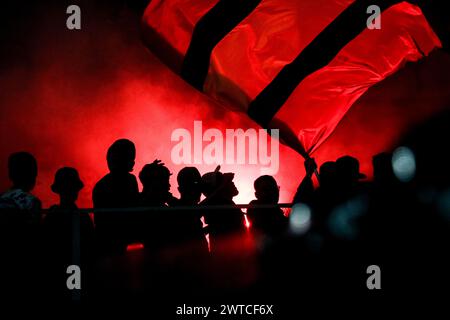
x=68 y=240
x=118 y=189
x=20 y=214
x=22 y=169
x=63 y=223
x=268 y=221
x=69 y=234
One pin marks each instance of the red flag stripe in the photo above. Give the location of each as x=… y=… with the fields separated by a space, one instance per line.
x=251 y=56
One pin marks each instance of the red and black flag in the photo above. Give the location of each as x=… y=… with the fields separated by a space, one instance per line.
x=293 y=65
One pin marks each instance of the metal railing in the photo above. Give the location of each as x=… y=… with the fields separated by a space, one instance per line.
x=178 y=208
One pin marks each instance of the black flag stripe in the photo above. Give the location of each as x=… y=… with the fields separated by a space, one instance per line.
x=208 y=32
x=319 y=53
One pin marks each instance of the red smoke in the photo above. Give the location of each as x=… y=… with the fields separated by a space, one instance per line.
x=72 y=93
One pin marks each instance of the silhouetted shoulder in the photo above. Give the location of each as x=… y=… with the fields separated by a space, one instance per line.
x=19 y=199
x=115 y=190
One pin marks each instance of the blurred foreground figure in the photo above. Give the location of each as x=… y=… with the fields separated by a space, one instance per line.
x=408 y=224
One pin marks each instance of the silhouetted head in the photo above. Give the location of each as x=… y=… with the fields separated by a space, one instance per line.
x=327 y=174
x=347 y=169
x=219 y=183
x=22 y=170
x=382 y=167
x=155 y=181
x=189 y=184
x=267 y=189
x=67 y=184
x=121 y=155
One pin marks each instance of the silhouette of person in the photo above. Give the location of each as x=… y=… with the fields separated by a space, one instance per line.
x=117 y=189
x=22 y=171
x=348 y=177
x=321 y=200
x=383 y=174
x=19 y=226
x=418 y=220
x=189 y=185
x=153 y=227
x=69 y=234
x=219 y=189
x=188 y=244
x=327 y=173
x=271 y=221
x=155 y=179
x=186 y=226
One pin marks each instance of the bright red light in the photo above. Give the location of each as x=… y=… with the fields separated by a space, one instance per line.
x=142 y=89
x=247 y=222
x=135 y=246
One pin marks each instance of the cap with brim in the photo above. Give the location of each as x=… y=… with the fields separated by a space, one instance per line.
x=349 y=163
x=67 y=179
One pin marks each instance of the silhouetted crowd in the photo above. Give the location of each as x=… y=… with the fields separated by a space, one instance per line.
x=137 y=243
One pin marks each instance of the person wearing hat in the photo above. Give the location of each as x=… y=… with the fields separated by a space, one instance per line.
x=151 y=227
x=219 y=189
x=64 y=217
x=348 y=168
x=348 y=177
x=67 y=185
x=68 y=233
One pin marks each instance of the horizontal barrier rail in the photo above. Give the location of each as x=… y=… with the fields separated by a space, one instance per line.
x=178 y=208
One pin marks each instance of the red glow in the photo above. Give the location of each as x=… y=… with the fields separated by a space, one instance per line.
x=247 y=222
x=67 y=106
x=246 y=60
x=135 y=247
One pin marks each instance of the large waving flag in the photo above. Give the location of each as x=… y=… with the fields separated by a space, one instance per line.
x=296 y=65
